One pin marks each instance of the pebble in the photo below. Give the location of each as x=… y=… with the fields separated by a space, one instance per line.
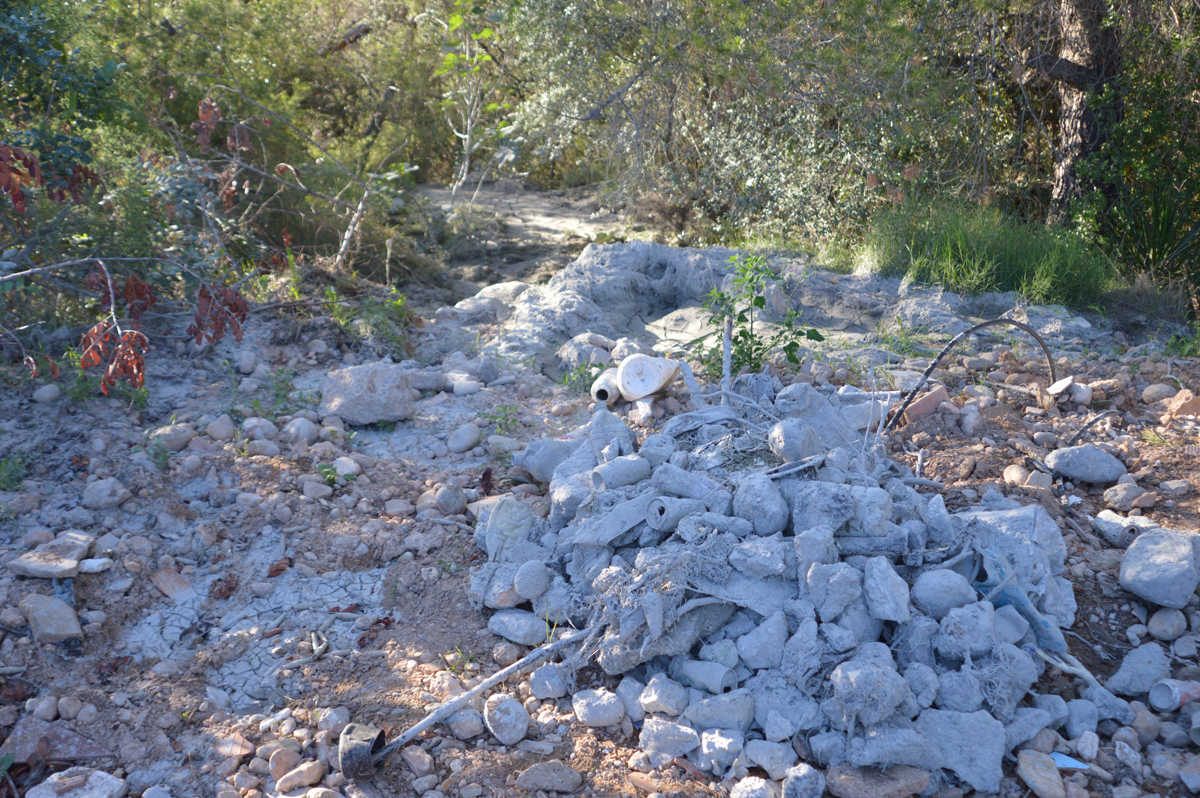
x=548 y=681
x=1124 y=496
x=1167 y=624
x=79 y=782
x=1088 y=746
x=51 y=620
x=46 y=708
x=69 y=707
x=1157 y=392
x=753 y=787
x=505 y=718
x=221 y=429
x=1175 y=488
x=803 y=781
x=333 y=719
x=1040 y=774
x=598 y=707
x=47 y=393
x=305 y=774
x=551 y=775
x=1086 y=463
x=417 y=759
x=899 y=781
x=282 y=761
x=104 y=494
x=463 y=438
x=465 y=724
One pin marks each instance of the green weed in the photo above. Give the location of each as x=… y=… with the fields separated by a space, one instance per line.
x=328 y=473
x=1185 y=344
x=580 y=378
x=503 y=418
x=13 y=470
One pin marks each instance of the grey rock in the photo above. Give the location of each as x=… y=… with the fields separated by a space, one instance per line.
x=923 y=681
x=803 y=781
x=775 y=758
x=758 y=500
x=80 y=782
x=505 y=718
x=301 y=431
x=1040 y=774
x=1167 y=624
x=548 y=681
x=701 y=674
x=763 y=647
x=104 y=493
x=173 y=437
x=222 y=428
x=668 y=738
x=1160 y=567
x=1086 y=463
x=368 y=394
x=532 y=579
x=864 y=692
x=763 y=557
x=1140 y=670
x=598 y=707
x=832 y=588
x=465 y=724
x=1026 y=723
x=629 y=690
x=978 y=764
x=56 y=559
x=463 y=437
x=1123 y=495
x=886 y=592
x=51 y=620
x=1055 y=706
x=732 y=710
x=754 y=787
x=966 y=632
x=519 y=626
x=663 y=695
x=551 y=775
x=719 y=748
x=450 y=500
x=47 y=393
x=793 y=439
x=959 y=691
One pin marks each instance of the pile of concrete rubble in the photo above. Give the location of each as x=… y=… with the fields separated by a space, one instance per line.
x=769 y=584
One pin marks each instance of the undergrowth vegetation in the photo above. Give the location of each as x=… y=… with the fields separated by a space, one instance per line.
x=973 y=248
x=211 y=157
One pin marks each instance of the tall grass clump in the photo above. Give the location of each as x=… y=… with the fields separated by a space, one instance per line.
x=971 y=248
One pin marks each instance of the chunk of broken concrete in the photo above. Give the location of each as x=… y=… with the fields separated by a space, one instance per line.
x=368 y=394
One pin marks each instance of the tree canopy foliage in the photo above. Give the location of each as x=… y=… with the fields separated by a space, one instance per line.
x=220 y=130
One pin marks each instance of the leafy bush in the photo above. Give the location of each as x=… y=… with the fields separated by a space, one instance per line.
x=973 y=248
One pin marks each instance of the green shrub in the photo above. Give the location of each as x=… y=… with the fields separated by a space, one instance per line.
x=972 y=248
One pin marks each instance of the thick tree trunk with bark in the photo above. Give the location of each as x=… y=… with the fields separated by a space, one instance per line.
x=1088 y=58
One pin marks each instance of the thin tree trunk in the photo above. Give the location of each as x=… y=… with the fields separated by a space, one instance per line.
x=1088 y=59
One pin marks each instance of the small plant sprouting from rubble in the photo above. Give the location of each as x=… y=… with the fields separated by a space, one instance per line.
x=12 y=472
x=580 y=378
x=504 y=418
x=742 y=305
x=1186 y=345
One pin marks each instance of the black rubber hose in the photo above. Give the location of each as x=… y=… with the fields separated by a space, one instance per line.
x=946 y=349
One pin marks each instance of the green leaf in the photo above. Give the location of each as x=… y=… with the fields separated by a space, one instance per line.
x=455 y=22
x=813 y=335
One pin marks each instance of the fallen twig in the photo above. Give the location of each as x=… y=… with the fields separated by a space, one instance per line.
x=448 y=708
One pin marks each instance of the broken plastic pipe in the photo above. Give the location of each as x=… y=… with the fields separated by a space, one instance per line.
x=641 y=375
x=665 y=512
x=1170 y=694
x=620 y=471
x=605 y=388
